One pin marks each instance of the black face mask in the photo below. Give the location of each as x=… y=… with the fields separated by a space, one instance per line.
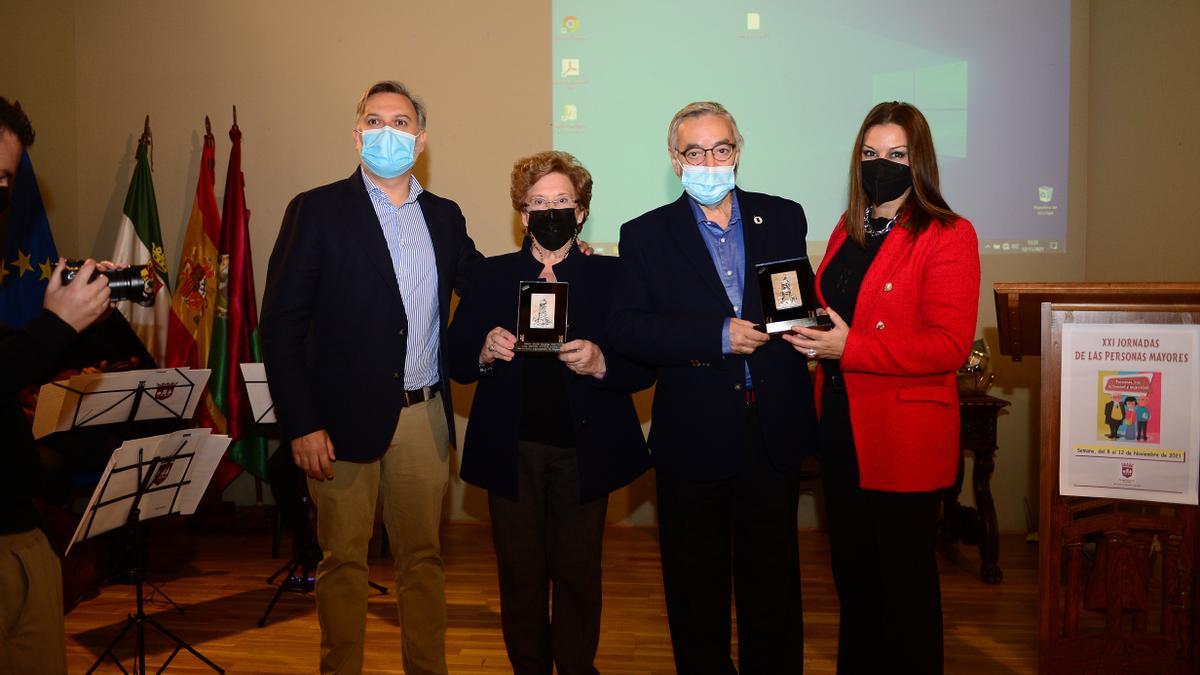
x=552 y=228
x=885 y=180
x=5 y=197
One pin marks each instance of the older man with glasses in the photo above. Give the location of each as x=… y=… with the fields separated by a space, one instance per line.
x=733 y=411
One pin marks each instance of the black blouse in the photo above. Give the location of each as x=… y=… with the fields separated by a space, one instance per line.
x=842 y=280
x=545 y=409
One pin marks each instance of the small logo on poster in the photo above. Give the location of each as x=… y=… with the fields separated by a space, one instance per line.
x=164 y=391
x=164 y=470
x=1127 y=469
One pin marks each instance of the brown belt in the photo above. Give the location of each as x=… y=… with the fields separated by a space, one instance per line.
x=415 y=396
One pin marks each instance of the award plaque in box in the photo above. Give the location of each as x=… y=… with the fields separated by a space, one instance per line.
x=788 y=299
x=541 y=316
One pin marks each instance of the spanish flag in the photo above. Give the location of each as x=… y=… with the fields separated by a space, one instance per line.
x=195 y=300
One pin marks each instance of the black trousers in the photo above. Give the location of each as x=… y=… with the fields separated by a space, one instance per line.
x=882 y=549
x=733 y=537
x=548 y=547
x=1114 y=427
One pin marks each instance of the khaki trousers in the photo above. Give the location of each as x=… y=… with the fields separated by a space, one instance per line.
x=32 y=638
x=412 y=476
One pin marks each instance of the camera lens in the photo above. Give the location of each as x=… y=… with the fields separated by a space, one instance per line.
x=129 y=284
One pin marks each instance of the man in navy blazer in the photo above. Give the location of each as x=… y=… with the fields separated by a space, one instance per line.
x=733 y=410
x=353 y=330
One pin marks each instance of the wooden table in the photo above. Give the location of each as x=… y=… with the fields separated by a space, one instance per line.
x=977 y=525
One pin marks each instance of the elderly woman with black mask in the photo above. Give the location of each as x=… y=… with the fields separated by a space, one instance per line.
x=550 y=435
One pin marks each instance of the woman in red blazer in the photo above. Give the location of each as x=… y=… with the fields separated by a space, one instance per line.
x=901 y=283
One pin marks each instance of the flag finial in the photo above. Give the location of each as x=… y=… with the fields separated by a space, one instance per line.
x=148 y=139
x=207 y=126
x=235 y=116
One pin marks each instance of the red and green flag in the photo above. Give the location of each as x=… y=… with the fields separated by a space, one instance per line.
x=139 y=242
x=235 y=330
x=194 y=302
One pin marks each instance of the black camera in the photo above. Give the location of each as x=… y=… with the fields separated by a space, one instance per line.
x=136 y=284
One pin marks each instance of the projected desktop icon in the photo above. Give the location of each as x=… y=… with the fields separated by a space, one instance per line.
x=570 y=68
x=753 y=21
x=570 y=24
x=570 y=113
x=1045 y=194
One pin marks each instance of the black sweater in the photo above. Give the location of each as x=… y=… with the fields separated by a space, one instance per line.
x=26 y=358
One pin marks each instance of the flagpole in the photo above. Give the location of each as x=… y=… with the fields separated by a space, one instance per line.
x=258 y=486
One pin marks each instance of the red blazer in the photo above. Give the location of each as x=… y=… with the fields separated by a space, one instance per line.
x=913 y=328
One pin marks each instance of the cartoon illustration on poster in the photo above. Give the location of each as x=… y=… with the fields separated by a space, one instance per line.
x=1129 y=405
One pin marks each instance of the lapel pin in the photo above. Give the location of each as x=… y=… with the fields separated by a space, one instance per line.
x=758 y=220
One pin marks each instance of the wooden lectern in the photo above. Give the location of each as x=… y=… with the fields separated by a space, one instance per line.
x=1117 y=577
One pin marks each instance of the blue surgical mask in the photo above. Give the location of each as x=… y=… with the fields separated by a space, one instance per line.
x=388 y=152
x=707 y=184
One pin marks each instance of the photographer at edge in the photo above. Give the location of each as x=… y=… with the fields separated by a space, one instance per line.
x=31 y=605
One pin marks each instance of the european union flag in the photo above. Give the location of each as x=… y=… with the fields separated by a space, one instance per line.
x=29 y=252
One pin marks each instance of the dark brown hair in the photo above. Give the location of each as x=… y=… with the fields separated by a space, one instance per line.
x=13 y=119
x=925 y=204
x=529 y=170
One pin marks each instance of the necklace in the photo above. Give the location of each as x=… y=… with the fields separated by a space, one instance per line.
x=873 y=232
x=541 y=253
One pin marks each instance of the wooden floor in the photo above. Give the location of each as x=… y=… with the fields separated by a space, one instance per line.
x=219 y=577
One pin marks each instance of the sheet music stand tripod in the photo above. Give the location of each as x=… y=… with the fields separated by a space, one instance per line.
x=148 y=480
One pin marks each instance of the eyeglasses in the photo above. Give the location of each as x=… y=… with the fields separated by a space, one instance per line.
x=541 y=203
x=722 y=152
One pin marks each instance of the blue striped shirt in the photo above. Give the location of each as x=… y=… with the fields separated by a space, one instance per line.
x=411 y=250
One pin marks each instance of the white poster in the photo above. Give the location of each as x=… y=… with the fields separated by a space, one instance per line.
x=1130 y=418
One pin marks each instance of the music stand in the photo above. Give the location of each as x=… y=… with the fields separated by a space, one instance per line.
x=95 y=399
x=261 y=405
x=145 y=479
x=297 y=572
x=124 y=397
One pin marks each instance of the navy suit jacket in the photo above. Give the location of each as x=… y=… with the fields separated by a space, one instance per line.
x=334 y=331
x=669 y=310
x=608 y=437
